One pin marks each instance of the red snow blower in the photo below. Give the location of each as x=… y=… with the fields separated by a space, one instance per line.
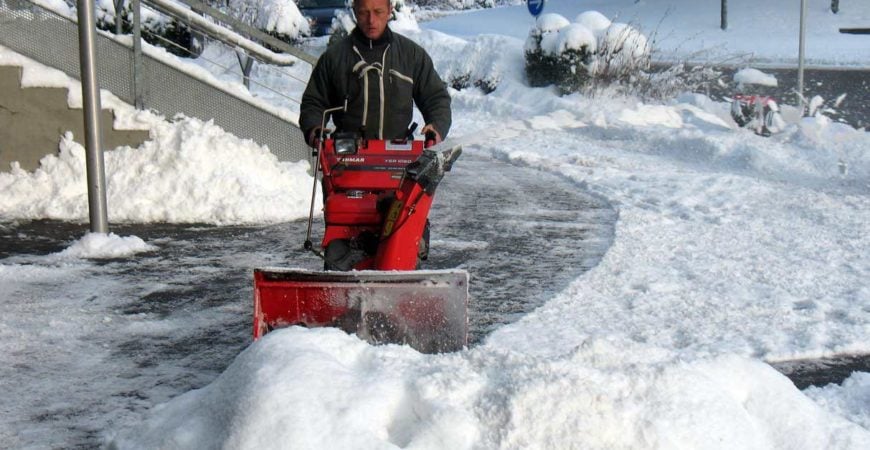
x=377 y=196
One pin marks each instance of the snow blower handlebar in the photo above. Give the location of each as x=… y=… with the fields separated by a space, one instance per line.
x=430 y=167
x=308 y=245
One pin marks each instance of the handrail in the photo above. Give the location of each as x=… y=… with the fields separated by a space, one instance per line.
x=228 y=36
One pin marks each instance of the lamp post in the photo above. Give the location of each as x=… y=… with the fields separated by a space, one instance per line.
x=800 y=82
x=91 y=106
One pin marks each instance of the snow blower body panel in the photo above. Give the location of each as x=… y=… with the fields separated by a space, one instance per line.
x=377 y=196
x=425 y=309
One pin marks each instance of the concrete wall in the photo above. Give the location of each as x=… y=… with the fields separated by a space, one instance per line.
x=32 y=121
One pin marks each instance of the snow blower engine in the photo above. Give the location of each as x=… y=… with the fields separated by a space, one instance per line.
x=377 y=196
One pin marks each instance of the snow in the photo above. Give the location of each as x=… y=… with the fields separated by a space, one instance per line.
x=105 y=245
x=279 y=16
x=686 y=31
x=754 y=76
x=549 y=23
x=593 y=20
x=572 y=37
x=851 y=399
x=731 y=251
x=324 y=389
x=189 y=171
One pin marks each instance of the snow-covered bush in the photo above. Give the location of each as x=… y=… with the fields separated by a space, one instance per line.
x=818 y=106
x=479 y=66
x=545 y=63
x=456 y=4
x=669 y=82
x=279 y=18
x=570 y=55
x=623 y=51
x=343 y=23
x=157 y=29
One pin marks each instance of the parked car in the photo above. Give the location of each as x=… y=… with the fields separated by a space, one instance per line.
x=320 y=14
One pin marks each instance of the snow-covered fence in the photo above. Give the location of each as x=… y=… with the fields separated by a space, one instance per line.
x=51 y=38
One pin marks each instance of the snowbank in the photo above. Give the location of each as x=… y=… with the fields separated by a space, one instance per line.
x=325 y=389
x=105 y=245
x=188 y=171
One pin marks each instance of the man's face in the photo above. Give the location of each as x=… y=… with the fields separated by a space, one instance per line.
x=372 y=17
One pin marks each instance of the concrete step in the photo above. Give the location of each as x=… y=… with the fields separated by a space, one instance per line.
x=33 y=119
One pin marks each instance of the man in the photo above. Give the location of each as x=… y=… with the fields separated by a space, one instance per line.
x=381 y=75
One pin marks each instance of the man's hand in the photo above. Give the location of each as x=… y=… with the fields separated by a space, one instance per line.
x=316 y=135
x=430 y=128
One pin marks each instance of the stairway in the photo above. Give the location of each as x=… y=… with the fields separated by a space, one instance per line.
x=33 y=119
x=51 y=39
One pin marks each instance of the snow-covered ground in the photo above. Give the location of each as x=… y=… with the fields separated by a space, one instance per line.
x=730 y=251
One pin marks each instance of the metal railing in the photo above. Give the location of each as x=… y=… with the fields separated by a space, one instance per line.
x=153 y=82
x=218 y=32
x=246 y=45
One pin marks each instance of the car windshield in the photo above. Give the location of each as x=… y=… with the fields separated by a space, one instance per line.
x=320 y=3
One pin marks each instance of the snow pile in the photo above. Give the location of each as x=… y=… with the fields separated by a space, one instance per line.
x=279 y=16
x=103 y=246
x=593 y=21
x=189 y=171
x=66 y=9
x=403 y=17
x=324 y=389
x=851 y=400
x=753 y=76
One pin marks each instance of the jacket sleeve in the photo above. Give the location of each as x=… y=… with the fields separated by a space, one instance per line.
x=431 y=96
x=316 y=97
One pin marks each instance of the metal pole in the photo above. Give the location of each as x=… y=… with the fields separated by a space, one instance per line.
x=723 y=15
x=91 y=99
x=138 y=100
x=800 y=86
x=119 y=8
x=246 y=63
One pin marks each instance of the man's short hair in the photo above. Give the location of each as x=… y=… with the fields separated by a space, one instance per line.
x=353 y=4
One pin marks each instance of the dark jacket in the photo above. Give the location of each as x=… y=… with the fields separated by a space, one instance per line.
x=379 y=79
